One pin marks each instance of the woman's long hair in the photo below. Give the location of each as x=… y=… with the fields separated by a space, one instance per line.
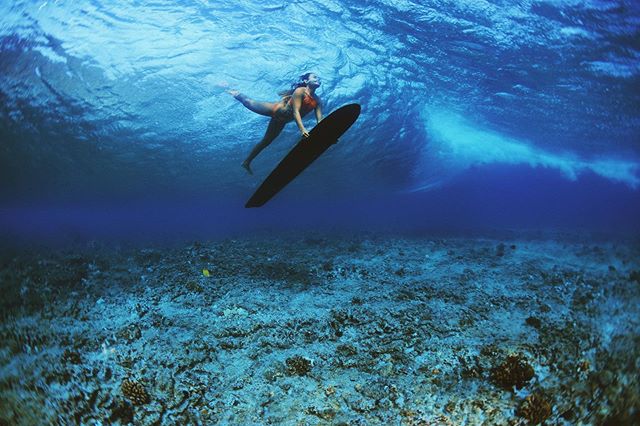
x=302 y=82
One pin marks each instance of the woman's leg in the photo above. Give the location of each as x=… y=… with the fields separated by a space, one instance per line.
x=262 y=108
x=273 y=130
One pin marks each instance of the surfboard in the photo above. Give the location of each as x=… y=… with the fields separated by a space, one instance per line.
x=305 y=152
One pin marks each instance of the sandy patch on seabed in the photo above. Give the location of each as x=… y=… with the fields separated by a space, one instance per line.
x=363 y=330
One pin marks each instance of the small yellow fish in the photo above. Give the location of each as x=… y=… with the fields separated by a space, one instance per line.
x=206 y=273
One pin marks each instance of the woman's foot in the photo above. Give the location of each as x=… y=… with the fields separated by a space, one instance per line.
x=247 y=167
x=234 y=93
x=219 y=87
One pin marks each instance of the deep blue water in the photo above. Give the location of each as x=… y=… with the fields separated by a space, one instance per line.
x=476 y=115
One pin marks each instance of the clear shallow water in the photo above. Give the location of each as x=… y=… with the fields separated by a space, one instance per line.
x=115 y=107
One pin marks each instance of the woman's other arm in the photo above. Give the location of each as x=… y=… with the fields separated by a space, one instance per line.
x=296 y=101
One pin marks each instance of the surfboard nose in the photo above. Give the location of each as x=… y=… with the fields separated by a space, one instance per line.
x=342 y=119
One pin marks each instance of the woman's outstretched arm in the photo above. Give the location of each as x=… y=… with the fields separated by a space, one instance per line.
x=318 y=111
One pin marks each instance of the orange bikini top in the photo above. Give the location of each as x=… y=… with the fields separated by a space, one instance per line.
x=308 y=104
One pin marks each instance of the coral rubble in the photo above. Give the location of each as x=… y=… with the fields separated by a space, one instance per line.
x=364 y=329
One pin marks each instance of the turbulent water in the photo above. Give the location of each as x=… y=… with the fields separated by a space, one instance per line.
x=109 y=101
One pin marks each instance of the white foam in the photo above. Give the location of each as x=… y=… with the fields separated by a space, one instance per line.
x=455 y=144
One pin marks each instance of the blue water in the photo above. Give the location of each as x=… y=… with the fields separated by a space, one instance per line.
x=476 y=115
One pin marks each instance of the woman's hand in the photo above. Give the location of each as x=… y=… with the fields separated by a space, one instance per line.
x=305 y=134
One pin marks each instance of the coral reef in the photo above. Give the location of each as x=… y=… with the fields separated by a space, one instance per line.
x=535 y=409
x=71 y=356
x=410 y=331
x=298 y=365
x=134 y=391
x=515 y=371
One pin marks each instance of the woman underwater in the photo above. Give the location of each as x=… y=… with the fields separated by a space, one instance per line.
x=295 y=104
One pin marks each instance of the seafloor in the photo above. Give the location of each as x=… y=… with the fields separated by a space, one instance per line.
x=316 y=330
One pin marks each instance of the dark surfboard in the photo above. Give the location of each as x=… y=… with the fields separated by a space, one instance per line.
x=321 y=137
